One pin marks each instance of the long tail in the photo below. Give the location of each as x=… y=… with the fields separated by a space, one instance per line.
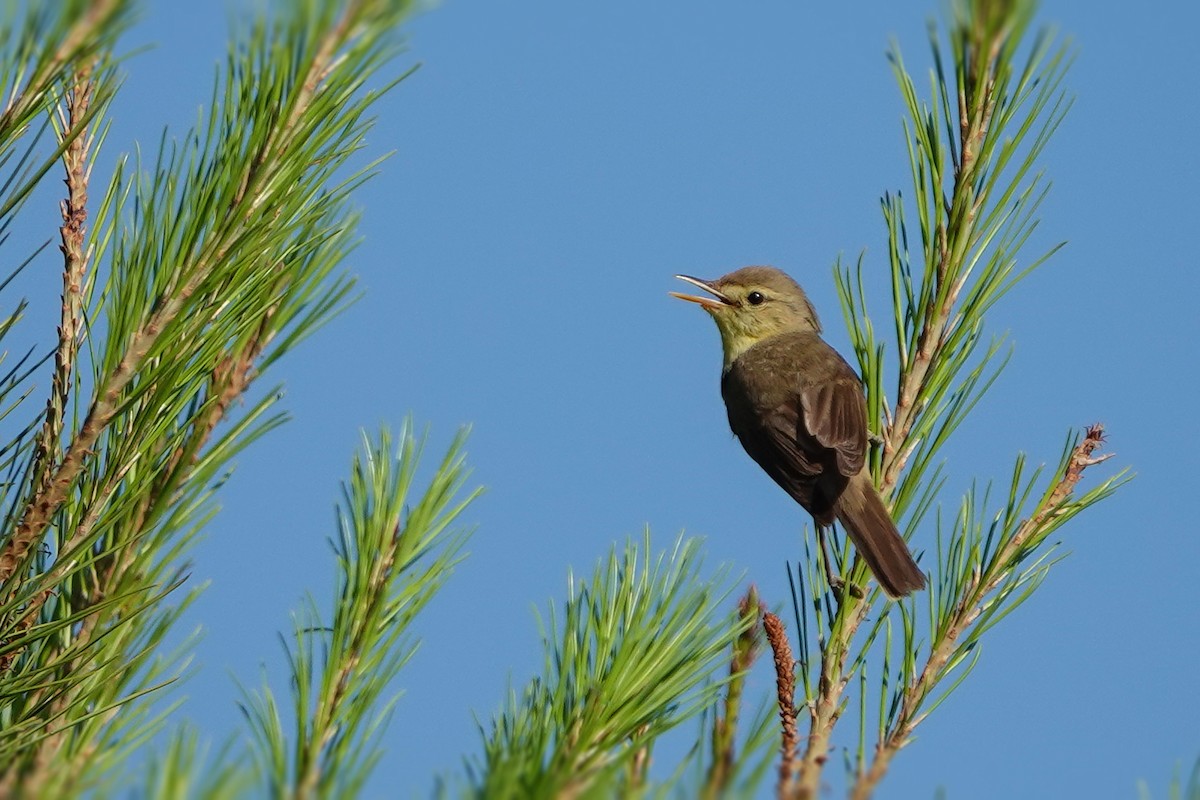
x=866 y=520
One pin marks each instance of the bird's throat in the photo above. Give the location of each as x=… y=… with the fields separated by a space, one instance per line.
x=734 y=342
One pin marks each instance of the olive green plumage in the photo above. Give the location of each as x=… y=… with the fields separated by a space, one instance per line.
x=797 y=408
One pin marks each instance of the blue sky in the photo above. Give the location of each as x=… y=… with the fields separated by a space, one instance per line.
x=555 y=165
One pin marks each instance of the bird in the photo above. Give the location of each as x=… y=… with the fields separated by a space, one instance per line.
x=798 y=409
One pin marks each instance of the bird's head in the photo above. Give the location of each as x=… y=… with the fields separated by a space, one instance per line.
x=752 y=304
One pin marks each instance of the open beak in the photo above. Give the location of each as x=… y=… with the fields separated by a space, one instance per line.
x=718 y=300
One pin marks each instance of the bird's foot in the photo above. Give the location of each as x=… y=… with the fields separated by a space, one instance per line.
x=834 y=578
x=838 y=586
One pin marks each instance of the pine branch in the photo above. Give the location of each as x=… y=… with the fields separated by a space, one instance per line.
x=974 y=601
x=78 y=140
x=74 y=212
x=971 y=155
x=634 y=653
x=393 y=553
x=224 y=261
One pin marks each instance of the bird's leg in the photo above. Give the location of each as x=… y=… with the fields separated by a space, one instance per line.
x=835 y=580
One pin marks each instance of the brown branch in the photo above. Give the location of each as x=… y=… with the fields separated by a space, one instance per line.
x=231 y=377
x=825 y=709
x=113 y=569
x=785 y=689
x=971 y=606
x=54 y=478
x=954 y=234
x=73 y=233
x=953 y=237
x=45 y=502
x=75 y=263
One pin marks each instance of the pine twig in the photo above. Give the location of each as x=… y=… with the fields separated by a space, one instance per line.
x=951 y=237
x=75 y=263
x=825 y=709
x=971 y=606
x=45 y=503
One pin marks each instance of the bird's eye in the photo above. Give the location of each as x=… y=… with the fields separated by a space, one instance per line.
x=755 y=298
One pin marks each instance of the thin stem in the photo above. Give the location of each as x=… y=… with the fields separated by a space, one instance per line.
x=75 y=264
x=825 y=709
x=56 y=487
x=969 y=609
x=954 y=212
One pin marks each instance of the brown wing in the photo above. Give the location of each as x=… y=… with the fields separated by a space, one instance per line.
x=835 y=413
x=779 y=443
x=807 y=431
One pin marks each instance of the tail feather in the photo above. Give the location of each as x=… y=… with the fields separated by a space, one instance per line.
x=870 y=527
